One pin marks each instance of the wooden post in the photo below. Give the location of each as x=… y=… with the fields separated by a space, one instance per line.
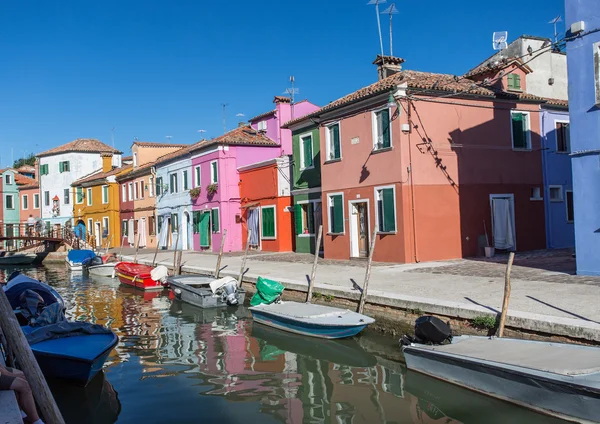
x=122 y=243
x=179 y=258
x=311 y=283
x=18 y=343
x=363 y=295
x=220 y=254
x=511 y=258
x=175 y=254
x=244 y=260
x=137 y=248
x=156 y=251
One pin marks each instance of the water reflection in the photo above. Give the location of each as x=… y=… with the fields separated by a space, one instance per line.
x=176 y=362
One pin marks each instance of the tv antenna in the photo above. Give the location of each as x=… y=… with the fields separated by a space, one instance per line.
x=376 y=3
x=391 y=11
x=292 y=91
x=224 y=105
x=201 y=132
x=499 y=40
x=555 y=21
x=169 y=138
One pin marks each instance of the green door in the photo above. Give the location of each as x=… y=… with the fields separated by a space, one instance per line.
x=205 y=229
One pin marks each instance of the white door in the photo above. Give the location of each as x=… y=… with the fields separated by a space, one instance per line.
x=184 y=231
x=503 y=221
x=98 y=233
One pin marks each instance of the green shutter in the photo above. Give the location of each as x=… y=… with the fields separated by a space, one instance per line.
x=158 y=186
x=389 y=216
x=511 y=81
x=268 y=222
x=336 y=141
x=517 y=82
x=214 y=214
x=337 y=214
x=196 y=222
x=518 y=130
x=308 y=156
x=215 y=177
x=185 y=180
x=105 y=194
x=60 y=166
x=298 y=219
x=204 y=229
x=385 y=126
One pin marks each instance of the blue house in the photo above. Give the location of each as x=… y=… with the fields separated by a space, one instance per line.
x=582 y=20
x=558 y=180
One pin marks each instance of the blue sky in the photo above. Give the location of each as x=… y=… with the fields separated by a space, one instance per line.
x=151 y=69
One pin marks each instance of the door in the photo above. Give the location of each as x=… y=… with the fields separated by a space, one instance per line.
x=185 y=228
x=253 y=221
x=98 y=234
x=205 y=229
x=79 y=230
x=503 y=221
x=10 y=232
x=359 y=229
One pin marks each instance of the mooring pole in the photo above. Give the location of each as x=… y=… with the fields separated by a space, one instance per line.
x=244 y=260
x=313 y=273
x=511 y=258
x=175 y=254
x=137 y=248
x=220 y=254
x=363 y=295
x=122 y=243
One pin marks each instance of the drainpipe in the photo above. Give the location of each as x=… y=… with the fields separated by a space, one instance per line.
x=412 y=186
x=544 y=139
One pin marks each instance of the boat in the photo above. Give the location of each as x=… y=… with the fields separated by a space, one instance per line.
x=101 y=266
x=74 y=351
x=75 y=258
x=141 y=276
x=206 y=292
x=556 y=379
x=13 y=258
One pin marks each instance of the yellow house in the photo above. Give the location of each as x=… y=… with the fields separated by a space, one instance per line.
x=96 y=205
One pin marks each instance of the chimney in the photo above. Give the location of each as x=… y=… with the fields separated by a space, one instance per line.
x=106 y=162
x=241 y=124
x=387 y=65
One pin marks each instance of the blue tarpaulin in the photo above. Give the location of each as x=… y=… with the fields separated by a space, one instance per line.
x=78 y=256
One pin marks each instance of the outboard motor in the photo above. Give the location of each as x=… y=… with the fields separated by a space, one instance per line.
x=229 y=292
x=160 y=274
x=429 y=330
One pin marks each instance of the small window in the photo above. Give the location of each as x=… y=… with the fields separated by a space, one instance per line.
x=336 y=213
x=514 y=81
x=105 y=229
x=104 y=194
x=130 y=189
x=88 y=194
x=382 y=137
x=214 y=173
x=175 y=222
x=67 y=196
x=268 y=222
x=262 y=126
x=173 y=183
x=569 y=201
x=306 y=152
x=521 y=137
x=25 y=202
x=44 y=169
x=214 y=219
x=90 y=225
x=198 y=180
x=555 y=193
x=64 y=166
x=135 y=161
x=563 y=137
x=152 y=225
x=536 y=193
x=124 y=192
x=124 y=227
x=79 y=195
x=10 y=201
x=141 y=184
x=185 y=180
x=333 y=142
x=304 y=218
x=151 y=187
x=136 y=191
x=8 y=179
x=386 y=209
x=159 y=188
x=46 y=198
x=36 y=201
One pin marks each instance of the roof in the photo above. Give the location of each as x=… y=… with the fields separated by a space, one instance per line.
x=281 y=99
x=557 y=103
x=127 y=159
x=99 y=175
x=140 y=170
x=85 y=145
x=23 y=180
x=489 y=66
x=26 y=168
x=156 y=144
x=240 y=136
x=178 y=153
x=263 y=115
x=35 y=184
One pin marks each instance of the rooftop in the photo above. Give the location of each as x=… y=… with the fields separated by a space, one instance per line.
x=84 y=145
x=22 y=180
x=99 y=175
x=241 y=136
x=156 y=144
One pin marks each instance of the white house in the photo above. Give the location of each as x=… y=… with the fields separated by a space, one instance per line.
x=60 y=167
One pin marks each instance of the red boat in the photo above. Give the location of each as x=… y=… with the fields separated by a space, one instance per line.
x=140 y=276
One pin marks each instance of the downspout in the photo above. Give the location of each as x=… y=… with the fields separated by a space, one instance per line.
x=412 y=186
x=544 y=146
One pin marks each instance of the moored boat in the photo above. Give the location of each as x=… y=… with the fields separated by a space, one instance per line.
x=75 y=258
x=144 y=277
x=12 y=258
x=101 y=266
x=206 y=292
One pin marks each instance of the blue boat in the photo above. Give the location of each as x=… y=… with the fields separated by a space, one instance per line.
x=74 y=351
x=75 y=258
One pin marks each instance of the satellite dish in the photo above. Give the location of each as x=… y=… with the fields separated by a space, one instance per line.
x=499 y=40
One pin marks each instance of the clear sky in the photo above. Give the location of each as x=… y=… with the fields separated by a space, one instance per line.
x=150 y=69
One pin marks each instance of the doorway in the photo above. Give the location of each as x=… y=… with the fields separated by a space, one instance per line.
x=79 y=230
x=98 y=234
x=359 y=228
x=185 y=230
x=503 y=221
x=205 y=233
x=253 y=224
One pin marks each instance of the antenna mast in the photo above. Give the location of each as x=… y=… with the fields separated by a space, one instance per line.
x=224 y=117
x=555 y=21
x=292 y=92
x=376 y=3
x=391 y=11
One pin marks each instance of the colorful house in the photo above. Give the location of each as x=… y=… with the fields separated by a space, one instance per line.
x=29 y=198
x=582 y=19
x=96 y=205
x=10 y=204
x=427 y=171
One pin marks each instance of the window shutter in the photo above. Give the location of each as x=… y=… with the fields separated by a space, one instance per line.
x=389 y=217
x=336 y=214
x=158 y=186
x=517 y=82
x=336 y=141
x=511 y=81
x=519 y=141
x=385 y=126
x=60 y=166
x=298 y=219
x=214 y=214
x=215 y=178
x=185 y=180
x=307 y=145
x=268 y=222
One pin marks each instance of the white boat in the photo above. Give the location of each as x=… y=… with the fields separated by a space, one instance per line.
x=556 y=379
x=12 y=258
x=75 y=259
x=206 y=292
x=103 y=270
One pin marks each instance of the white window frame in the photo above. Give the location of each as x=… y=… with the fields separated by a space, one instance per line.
x=130 y=190
x=36 y=199
x=142 y=187
x=562 y=121
x=561 y=197
x=301 y=145
x=124 y=192
x=528 y=138
x=375 y=199
x=173 y=188
x=197 y=176
x=329 y=232
x=8 y=179
x=567 y=207
x=105 y=201
x=25 y=202
x=151 y=186
x=90 y=226
x=88 y=194
x=185 y=177
x=105 y=220
x=135 y=161
x=214 y=180
x=305 y=202
x=262 y=125
x=220 y=222
x=374 y=128
x=49 y=200
x=328 y=146
x=12 y=196
x=352 y=236
x=540 y=197
x=260 y=222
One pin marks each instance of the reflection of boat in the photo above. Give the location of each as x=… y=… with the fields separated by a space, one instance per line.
x=141 y=276
x=75 y=258
x=207 y=315
x=102 y=270
x=206 y=292
x=97 y=403
x=557 y=379
x=342 y=352
x=12 y=258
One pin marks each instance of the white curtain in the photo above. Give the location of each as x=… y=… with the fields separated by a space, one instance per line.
x=164 y=232
x=503 y=224
x=130 y=232
x=253 y=225
x=142 y=232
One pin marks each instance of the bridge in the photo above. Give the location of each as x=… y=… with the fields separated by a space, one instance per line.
x=19 y=236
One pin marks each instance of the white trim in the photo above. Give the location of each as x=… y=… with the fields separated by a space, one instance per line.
x=374 y=127
x=25 y=199
x=123 y=192
x=350 y=205
x=197 y=176
x=259 y=227
x=88 y=194
x=311 y=190
x=274 y=222
x=208 y=152
x=130 y=190
x=12 y=196
x=90 y=226
x=562 y=121
x=512 y=200
x=185 y=179
x=301 y=146
x=151 y=186
x=561 y=196
x=214 y=170
x=567 y=207
x=375 y=199
x=107 y=226
x=220 y=223
x=38 y=201
x=8 y=179
x=329 y=232
x=305 y=202
x=328 y=140
x=528 y=138
x=107 y=194
x=539 y=197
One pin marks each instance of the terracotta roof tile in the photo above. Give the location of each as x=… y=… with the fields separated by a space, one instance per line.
x=29 y=186
x=557 y=102
x=87 y=145
x=281 y=99
x=23 y=180
x=178 y=153
x=26 y=168
x=99 y=175
x=262 y=115
x=156 y=144
x=241 y=136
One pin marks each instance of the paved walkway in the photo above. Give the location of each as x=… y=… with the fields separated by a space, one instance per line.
x=544 y=297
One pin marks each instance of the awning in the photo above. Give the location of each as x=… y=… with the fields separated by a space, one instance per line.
x=249 y=205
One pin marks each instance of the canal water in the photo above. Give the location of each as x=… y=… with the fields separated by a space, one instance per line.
x=176 y=363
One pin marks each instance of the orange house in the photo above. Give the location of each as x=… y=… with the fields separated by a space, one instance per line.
x=267 y=204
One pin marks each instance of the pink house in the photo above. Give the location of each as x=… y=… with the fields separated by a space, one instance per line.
x=215 y=171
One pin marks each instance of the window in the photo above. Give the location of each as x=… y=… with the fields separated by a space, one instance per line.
x=64 y=166
x=563 y=137
x=159 y=186
x=570 y=211
x=382 y=137
x=214 y=176
x=175 y=222
x=268 y=222
x=555 y=193
x=304 y=218
x=104 y=194
x=88 y=194
x=136 y=191
x=36 y=201
x=306 y=151
x=79 y=195
x=262 y=126
x=198 y=180
x=130 y=189
x=124 y=192
x=536 y=193
x=8 y=179
x=25 y=202
x=214 y=219
x=135 y=160
x=386 y=209
x=336 y=213
x=173 y=183
x=521 y=138
x=44 y=169
x=46 y=198
x=10 y=201
x=151 y=187
x=152 y=225
x=185 y=180
x=90 y=226
x=124 y=228
x=514 y=81
x=67 y=196
x=596 y=60
x=333 y=142
x=141 y=184
x=105 y=226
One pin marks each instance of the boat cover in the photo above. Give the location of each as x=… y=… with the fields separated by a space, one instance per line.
x=64 y=329
x=267 y=291
x=13 y=292
x=78 y=256
x=132 y=269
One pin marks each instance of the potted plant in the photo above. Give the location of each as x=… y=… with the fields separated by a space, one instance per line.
x=195 y=193
x=212 y=189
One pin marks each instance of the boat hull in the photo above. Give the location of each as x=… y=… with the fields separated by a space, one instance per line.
x=74 y=266
x=136 y=275
x=18 y=260
x=104 y=270
x=202 y=297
